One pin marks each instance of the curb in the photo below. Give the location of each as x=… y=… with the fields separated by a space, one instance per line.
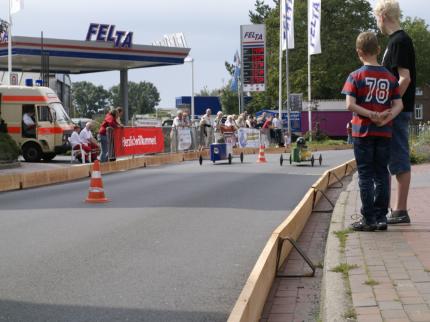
x=334 y=289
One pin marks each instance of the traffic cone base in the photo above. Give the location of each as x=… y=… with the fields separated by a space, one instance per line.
x=261 y=156
x=96 y=193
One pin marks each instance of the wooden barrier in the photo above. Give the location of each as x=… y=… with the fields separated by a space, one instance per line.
x=10 y=182
x=79 y=172
x=250 y=304
x=257 y=287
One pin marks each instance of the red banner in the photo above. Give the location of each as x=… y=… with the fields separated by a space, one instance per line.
x=138 y=140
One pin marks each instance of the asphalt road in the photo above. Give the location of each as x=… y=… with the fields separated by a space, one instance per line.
x=176 y=243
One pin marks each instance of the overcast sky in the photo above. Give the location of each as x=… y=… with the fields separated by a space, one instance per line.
x=211 y=28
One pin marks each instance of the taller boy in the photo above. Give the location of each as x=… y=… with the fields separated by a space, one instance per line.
x=372 y=93
x=399 y=59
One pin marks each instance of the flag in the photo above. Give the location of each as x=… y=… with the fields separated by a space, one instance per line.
x=314 y=27
x=236 y=59
x=287 y=23
x=235 y=80
x=15 y=6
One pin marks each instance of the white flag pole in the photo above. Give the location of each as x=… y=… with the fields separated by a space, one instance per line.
x=309 y=73
x=309 y=99
x=9 y=46
x=281 y=35
x=314 y=46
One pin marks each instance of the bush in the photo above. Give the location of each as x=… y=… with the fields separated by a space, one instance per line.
x=9 y=150
x=420 y=149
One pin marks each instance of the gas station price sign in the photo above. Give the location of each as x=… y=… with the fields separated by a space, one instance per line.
x=253 y=48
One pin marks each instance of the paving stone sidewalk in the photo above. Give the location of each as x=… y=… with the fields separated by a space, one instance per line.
x=392 y=280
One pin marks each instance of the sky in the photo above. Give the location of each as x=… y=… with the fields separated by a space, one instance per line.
x=211 y=28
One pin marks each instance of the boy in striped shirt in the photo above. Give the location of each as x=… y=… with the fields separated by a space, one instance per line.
x=372 y=94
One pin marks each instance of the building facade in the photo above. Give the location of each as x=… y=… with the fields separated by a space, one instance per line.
x=422 y=105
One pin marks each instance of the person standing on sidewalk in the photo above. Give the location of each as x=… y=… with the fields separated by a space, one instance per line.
x=110 y=121
x=399 y=59
x=373 y=95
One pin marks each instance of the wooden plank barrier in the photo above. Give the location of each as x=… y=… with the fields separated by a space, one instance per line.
x=10 y=182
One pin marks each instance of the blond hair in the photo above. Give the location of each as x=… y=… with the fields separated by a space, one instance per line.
x=388 y=8
x=367 y=43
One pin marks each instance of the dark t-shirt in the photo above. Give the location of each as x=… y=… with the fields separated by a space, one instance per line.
x=400 y=53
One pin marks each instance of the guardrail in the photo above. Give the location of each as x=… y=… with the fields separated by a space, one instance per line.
x=250 y=304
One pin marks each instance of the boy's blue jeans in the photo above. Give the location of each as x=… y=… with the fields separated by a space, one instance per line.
x=372 y=155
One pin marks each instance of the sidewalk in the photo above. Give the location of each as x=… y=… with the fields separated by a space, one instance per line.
x=391 y=278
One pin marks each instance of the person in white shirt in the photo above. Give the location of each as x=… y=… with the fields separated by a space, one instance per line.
x=230 y=123
x=277 y=130
x=29 y=126
x=87 y=138
x=75 y=140
x=178 y=120
x=205 y=126
x=77 y=143
x=178 y=123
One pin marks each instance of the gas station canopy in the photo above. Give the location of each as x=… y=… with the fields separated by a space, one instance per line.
x=77 y=57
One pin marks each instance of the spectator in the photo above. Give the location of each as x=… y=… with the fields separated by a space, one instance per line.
x=372 y=130
x=87 y=138
x=399 y=59
x=120 y=112
x=205 y=126
x=268 y=122
x=240 y=121
x=277 y=130
x=29 y=123
x=178 y=121
x=110 y=121
x=217 y=127
x=76 y=143
x=250 y=122
x=260 y=120
x=230 y=124
x=265 y=130
x=186 y=119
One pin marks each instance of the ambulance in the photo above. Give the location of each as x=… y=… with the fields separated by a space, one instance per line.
x=51 y=128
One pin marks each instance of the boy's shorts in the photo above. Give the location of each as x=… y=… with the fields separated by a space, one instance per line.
x=399 y=159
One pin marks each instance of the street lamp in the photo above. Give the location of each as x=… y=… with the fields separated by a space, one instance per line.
x=189 y=59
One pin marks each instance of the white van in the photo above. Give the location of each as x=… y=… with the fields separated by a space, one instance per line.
x=52 y=126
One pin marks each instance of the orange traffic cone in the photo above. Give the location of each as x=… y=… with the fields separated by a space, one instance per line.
x=96 y=193
x=261 y=157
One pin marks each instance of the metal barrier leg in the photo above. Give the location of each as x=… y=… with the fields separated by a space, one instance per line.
x=316 y=190
x=337 y=179
x=300 y=251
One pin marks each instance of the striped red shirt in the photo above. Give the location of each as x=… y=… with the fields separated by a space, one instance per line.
x=374 y=88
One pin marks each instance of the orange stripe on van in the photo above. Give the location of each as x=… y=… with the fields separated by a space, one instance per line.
x=14 y=129
x=11 y=98
x=49 y=130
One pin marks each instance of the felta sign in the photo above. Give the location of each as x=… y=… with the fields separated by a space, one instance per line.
x=107 y=33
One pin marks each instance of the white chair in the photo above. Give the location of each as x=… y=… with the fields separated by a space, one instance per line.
x=79 y=152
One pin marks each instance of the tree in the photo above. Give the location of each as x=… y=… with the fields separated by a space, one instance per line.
x=262 y=11
x=229 y=100
x=143 y=97
x=88 y=99
x=207 y=92
x=417 y=29
x=341 y=22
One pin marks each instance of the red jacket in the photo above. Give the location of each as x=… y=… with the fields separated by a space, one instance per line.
x=109 y=121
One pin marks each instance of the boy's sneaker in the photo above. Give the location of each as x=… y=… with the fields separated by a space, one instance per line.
x=381 y=226
x=362 y=226
x=398 y=217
